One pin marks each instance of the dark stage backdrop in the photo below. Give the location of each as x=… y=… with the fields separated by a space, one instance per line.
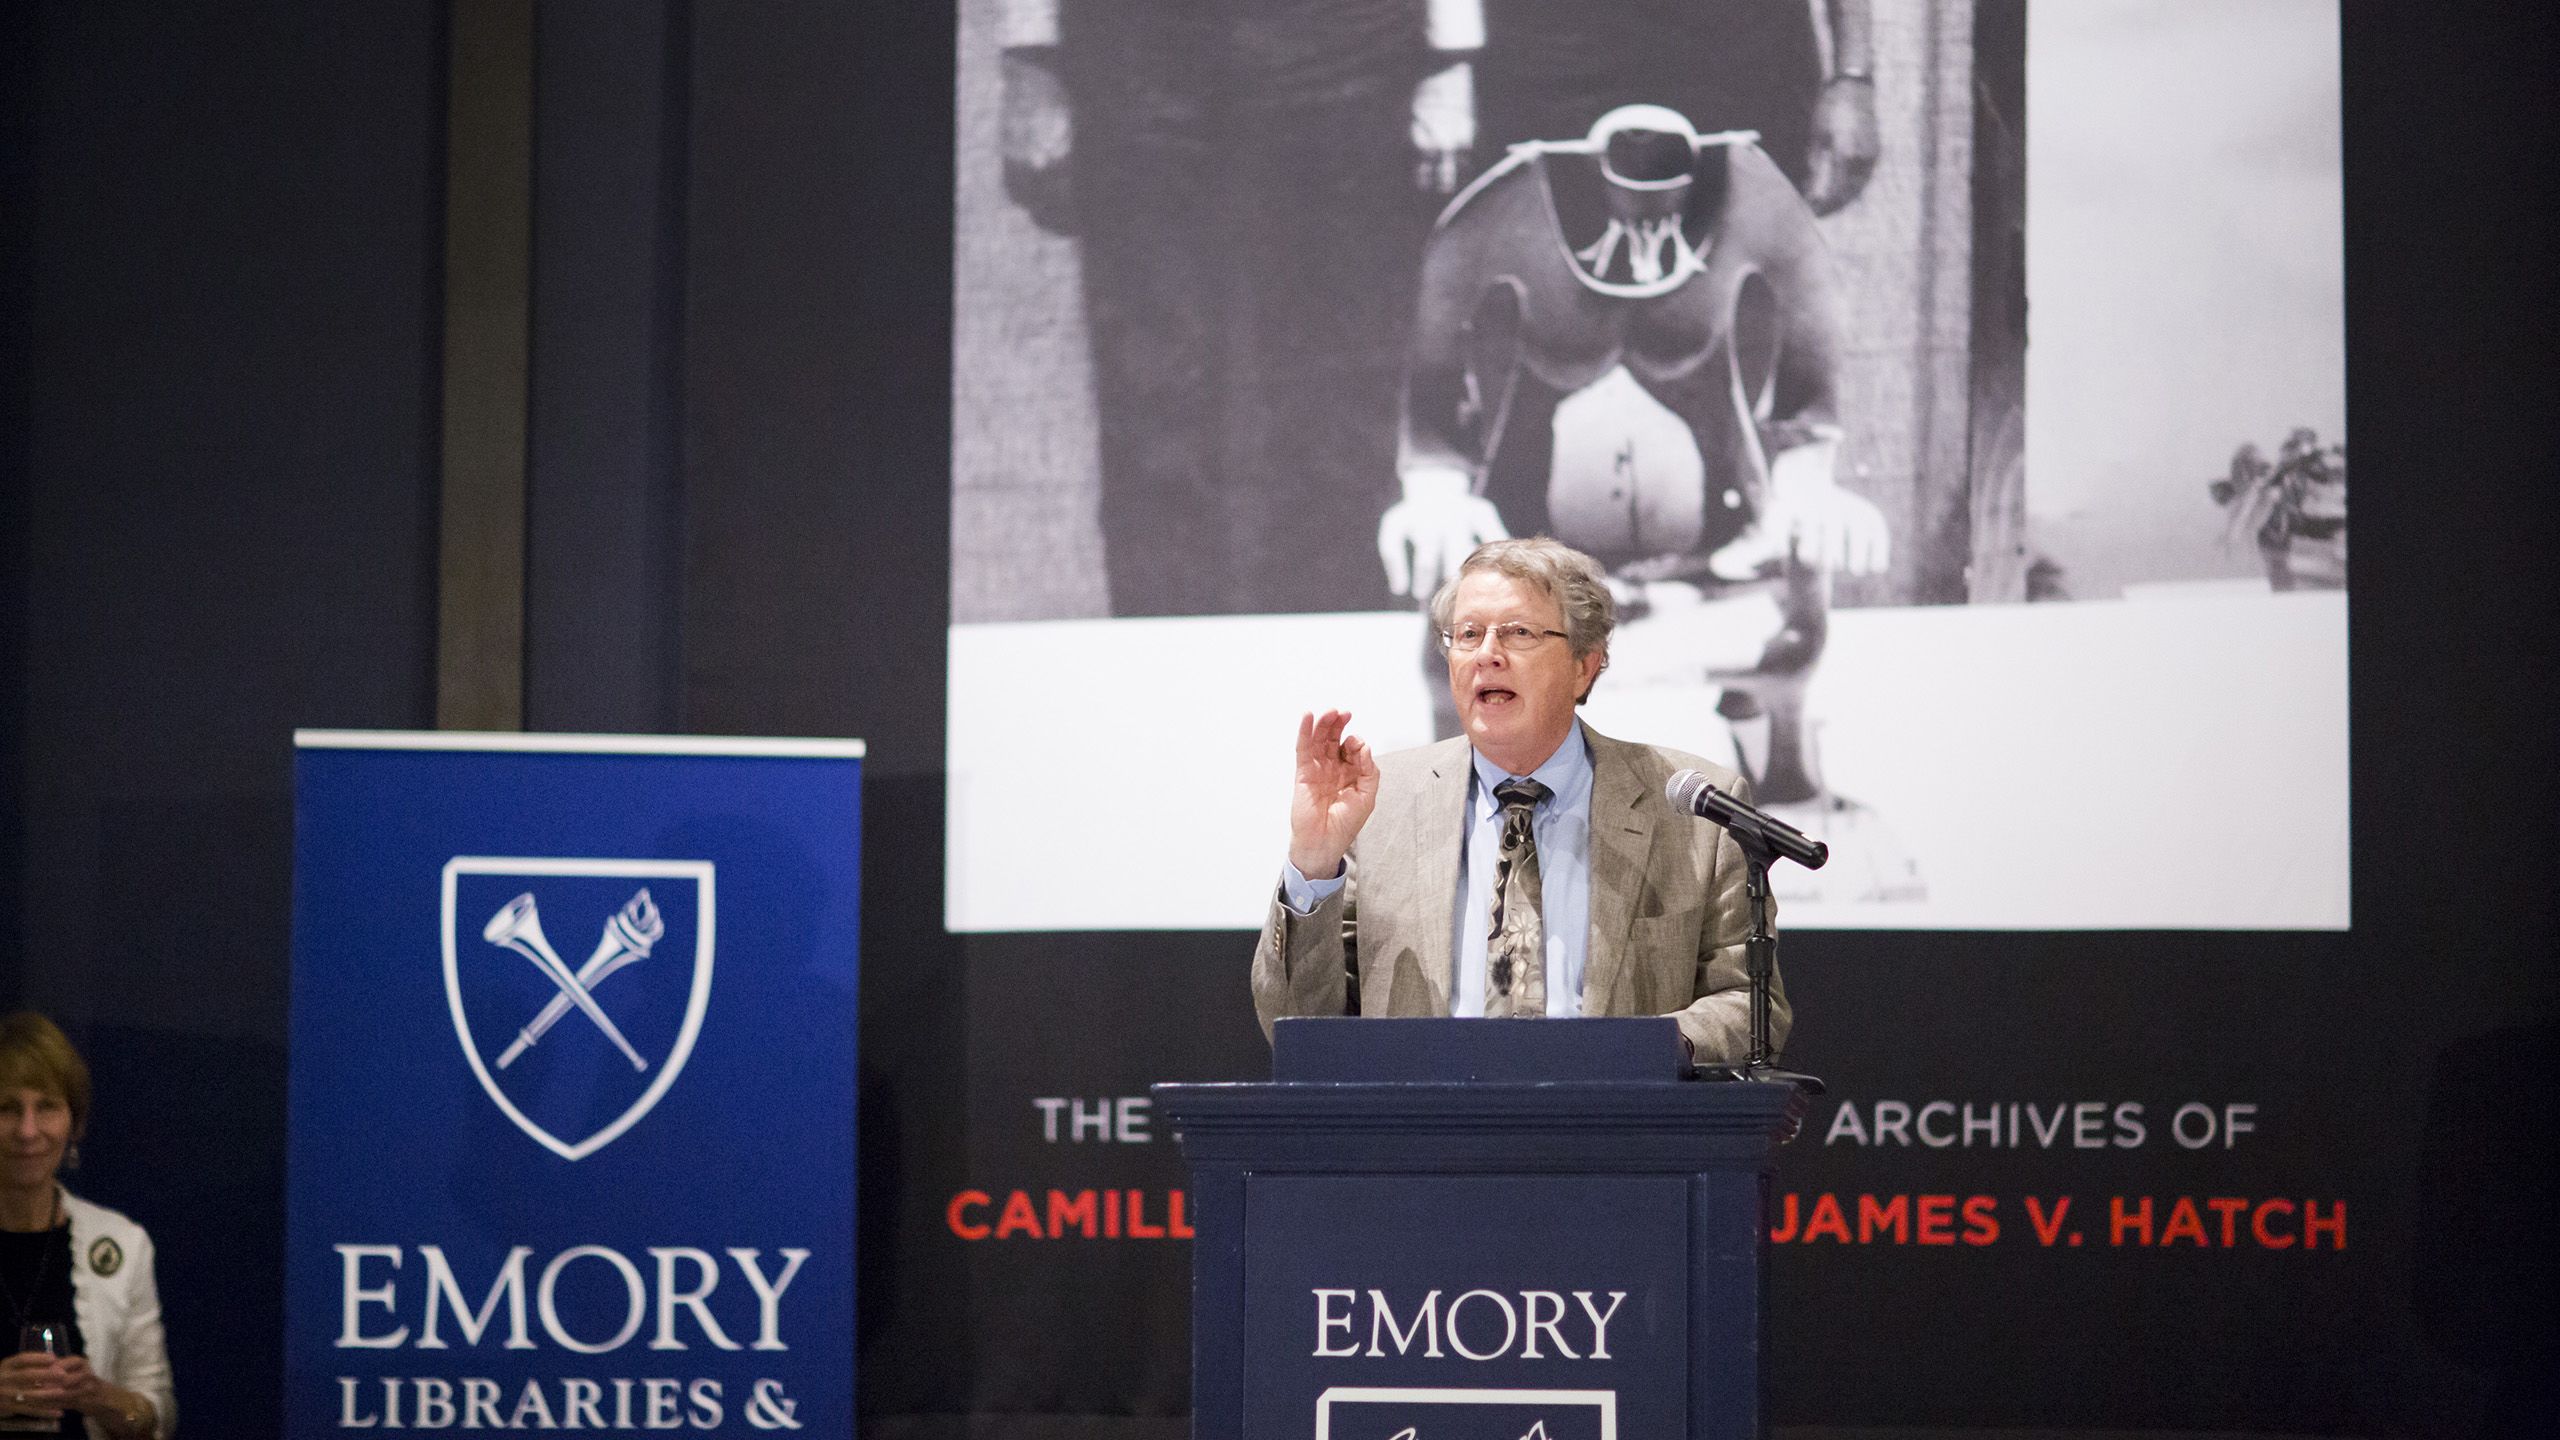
x=218 y=523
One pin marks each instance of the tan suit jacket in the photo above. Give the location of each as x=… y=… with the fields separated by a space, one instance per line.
x=1668 y=912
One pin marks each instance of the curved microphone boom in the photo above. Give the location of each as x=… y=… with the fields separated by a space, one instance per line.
x=1692 y=793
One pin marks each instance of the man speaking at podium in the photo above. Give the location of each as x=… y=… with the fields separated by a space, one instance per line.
x=1530 y=867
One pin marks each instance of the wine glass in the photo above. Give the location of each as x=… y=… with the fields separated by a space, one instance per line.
x=39 y=1337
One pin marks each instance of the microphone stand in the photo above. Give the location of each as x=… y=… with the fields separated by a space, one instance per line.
x=1760 y=955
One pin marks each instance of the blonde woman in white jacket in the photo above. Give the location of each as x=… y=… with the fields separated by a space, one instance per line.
x=81 y=1268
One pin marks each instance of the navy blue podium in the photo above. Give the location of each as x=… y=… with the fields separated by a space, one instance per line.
x=1478 y=1230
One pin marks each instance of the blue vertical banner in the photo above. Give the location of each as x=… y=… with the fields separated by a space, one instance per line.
x=572 y=1085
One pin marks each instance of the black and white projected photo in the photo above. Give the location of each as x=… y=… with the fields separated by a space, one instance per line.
x=1954 y=391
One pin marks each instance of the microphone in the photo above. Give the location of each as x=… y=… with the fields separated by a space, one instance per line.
x=1691 y=793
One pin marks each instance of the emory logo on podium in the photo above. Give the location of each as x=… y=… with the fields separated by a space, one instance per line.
x=573 y=1062
x=1408 y=1412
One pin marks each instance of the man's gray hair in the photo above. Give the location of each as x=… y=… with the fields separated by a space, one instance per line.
x=1554 y=569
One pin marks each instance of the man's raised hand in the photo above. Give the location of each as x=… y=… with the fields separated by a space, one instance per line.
x=1336 y=788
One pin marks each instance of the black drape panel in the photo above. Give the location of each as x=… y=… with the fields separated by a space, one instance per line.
x=604 y=496
x=230 y=222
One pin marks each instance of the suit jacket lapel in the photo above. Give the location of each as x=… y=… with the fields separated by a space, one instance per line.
x=1622 y=835
x=1438 y=827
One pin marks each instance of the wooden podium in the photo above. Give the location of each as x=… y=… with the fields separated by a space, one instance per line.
x=1478 y=1230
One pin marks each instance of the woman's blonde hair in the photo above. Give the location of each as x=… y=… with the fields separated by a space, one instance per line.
x=36 y=1055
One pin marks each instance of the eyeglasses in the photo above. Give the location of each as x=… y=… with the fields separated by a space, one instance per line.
x=1514 y=637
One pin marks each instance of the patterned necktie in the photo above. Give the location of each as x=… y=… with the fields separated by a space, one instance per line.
x=1515 y=973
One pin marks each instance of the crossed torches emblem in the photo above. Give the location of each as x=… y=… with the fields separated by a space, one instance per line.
x=628 y=935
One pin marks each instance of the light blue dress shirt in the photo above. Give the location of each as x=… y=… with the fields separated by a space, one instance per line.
x=1562 y=822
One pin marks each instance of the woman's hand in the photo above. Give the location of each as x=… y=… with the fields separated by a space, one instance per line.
x=82 y=1390
x=110 y=1408
x=32 y=1384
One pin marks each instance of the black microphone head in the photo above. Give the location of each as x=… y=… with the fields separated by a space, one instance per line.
x=1684 y=788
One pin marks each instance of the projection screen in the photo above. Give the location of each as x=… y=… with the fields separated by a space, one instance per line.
x=1991 y=517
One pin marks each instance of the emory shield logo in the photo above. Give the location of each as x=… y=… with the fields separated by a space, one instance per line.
x=1355 y=1412
x=572 y=1060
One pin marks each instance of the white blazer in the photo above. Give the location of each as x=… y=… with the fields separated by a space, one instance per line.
x=116 y=1298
